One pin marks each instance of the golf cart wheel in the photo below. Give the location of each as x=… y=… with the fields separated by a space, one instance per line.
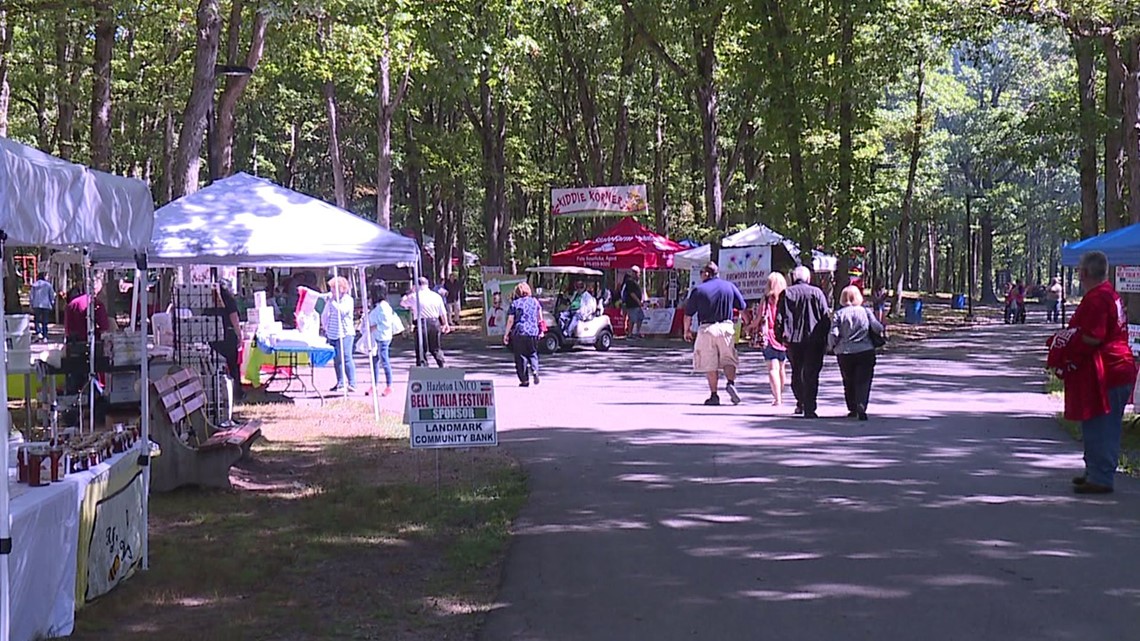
x=604 y=341
x=549 y=344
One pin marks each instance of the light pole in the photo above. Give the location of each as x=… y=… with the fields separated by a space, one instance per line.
x=211 y=134
x=970 y=256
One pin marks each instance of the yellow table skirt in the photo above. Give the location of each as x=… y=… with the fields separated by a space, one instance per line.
x=257 y=359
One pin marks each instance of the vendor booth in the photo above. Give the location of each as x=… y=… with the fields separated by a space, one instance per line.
x=80 y=482
x=622 y=247
x=749 y=255
x=1121 y=246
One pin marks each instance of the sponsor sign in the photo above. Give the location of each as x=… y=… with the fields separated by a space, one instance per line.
x=452 y=413
x=1128 y=279
x=599 y=201
x=1134 y=339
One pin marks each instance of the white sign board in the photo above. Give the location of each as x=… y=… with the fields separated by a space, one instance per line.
x=452 y=413
x=1134 y=339
x=747 y=268
x=627 y=200
x=1128 y=279
x=116 y=539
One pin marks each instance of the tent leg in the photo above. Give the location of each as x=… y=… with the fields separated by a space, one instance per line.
x=89 y=283
x=366 y=330
x=5 y=504
x=144 y=409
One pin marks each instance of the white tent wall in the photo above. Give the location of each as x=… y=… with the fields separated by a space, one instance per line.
x=48 y=202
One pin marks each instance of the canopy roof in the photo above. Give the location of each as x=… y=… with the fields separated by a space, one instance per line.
x=247 y=221
x=755 y=236
x=48 y=202
x=624 y=245
x=1122 y=246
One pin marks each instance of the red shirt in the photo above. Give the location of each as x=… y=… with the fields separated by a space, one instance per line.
x=1089 y=372
x=75 y=318
x=1101 y=316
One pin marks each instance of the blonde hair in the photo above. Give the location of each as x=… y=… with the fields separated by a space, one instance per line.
x=850 y=296
x=776 y=284
x=522 y=290
x=338 y=285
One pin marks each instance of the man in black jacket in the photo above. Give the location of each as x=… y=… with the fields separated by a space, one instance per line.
x=803 y=321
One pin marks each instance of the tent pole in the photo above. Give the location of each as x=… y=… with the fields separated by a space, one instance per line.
x=367 y=331
x=144 y=405
x=88 y=276
x=5 y=506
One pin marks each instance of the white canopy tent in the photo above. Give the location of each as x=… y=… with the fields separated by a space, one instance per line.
x=48 y=202
x=755 y=236
x=247 y=221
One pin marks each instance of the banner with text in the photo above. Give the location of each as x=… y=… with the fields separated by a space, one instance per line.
x=114 y=548
x=452 y=413
x=1128 y=279
x=599 y=201
x=747 y=268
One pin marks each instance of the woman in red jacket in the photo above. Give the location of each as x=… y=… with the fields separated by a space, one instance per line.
x=1093 y=358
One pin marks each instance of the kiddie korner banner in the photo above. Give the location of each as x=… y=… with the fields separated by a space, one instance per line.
x=747 y=268
x=599 y=201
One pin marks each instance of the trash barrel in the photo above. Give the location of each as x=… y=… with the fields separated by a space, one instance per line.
x=913 y=314
x=958 y=302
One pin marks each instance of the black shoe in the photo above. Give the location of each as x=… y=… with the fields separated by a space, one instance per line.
x=810 y=415
x=862 y=411
x=524 y=384
x=712 y=400
x=536 y=378
x=852 y=414
x=337 y=388
x=1091 y=488
x=1080 y=480
x=799 y=409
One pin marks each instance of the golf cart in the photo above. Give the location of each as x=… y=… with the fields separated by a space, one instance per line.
x=596 y=330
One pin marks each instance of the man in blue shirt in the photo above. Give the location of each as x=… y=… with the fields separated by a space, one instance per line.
x=714 y=302
x=43 y=300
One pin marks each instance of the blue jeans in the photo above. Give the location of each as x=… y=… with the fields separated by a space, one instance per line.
x=1102 y=439
x=42 y=316
x=342 y=360
x=381 y=358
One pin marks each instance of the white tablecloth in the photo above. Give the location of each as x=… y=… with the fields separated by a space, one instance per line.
x=45 y=551
x=45 y=546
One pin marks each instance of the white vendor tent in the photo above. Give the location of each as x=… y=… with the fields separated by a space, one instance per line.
x=248 y=221
x=755 y=236
x=48 y=202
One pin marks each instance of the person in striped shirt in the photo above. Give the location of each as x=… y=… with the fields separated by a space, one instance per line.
x=340 y=331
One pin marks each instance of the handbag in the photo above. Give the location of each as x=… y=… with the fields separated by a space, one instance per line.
x=878 y=339
x=397 y=325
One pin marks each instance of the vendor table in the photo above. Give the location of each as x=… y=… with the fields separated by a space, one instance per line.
x=289 y=359
x=56 y=562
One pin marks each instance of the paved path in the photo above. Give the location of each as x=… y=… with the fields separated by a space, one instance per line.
x=947 y=516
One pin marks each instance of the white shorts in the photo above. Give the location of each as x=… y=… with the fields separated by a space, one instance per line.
x=715 y=347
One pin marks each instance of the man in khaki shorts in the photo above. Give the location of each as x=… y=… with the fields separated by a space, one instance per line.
x=714 y=302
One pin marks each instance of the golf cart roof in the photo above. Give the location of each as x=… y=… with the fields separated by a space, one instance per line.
x=550 y=269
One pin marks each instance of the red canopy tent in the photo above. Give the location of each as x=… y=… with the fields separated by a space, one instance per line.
x=622 y=246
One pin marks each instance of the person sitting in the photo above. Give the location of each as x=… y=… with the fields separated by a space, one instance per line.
x=583 y=305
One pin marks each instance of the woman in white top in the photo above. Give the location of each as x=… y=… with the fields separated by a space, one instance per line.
x=381 y=324
x=340 y=331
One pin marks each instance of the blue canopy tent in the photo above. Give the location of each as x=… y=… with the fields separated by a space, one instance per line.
x=1122 y=246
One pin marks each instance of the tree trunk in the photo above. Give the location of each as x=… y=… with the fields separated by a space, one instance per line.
x=1086 y=87
x=64 y=135
x=6 y=37
x=187 y=160
x=166 y=184
x=932 y=257
x=710 y=125
x=101 y=85
x=1132 y=126
x=912 y=172
x=413 y=170
x=328 y=91
x=846 y=159
x=387 y=104
x=659 y=201
x=621 y=121
x=236 y=85
x=288 y=172
x=1114 y=212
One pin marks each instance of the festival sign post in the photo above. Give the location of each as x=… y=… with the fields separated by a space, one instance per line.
x=451 y=413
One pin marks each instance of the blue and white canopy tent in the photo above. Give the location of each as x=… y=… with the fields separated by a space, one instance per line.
x=48 y=202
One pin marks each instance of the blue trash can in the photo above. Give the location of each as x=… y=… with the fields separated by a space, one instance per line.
x=958 y=302
x=913 y=312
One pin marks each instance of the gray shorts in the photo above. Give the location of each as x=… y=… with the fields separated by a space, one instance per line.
x=635 y=314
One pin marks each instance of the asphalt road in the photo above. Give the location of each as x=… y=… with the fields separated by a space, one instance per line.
x=948 y=515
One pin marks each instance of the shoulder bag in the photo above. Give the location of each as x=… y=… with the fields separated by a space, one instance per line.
x=878 y=339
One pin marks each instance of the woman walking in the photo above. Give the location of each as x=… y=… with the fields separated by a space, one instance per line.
x=382 y=322
x=340 y=331
x=523 y=329
x=773 y=350
x=851 y=340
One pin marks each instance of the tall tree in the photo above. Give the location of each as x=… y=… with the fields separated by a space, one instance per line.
x=187 y=159
x=6 y=37
x=1114 y=211
x=235 y=84
x=387 y=104
x=1083 y=49
x=101 y=85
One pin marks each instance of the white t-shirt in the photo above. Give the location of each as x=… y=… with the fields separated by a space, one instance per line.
x=431 y=305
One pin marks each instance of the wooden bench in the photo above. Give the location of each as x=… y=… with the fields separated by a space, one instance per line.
x=194 y=450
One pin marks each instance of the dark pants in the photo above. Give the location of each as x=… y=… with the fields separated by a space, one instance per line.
x=227 y=348
x=857 y=370
x=431 y=337
x=42 y=317
x=525 y=349
x=1053 y=311
x=807 y=363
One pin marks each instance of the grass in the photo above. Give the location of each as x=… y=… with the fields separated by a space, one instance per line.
x=335 y=531
x=1129 y=438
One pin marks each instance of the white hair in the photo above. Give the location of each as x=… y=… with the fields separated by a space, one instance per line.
x=801 y=274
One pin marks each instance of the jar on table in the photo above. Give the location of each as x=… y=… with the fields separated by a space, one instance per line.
x=39 y=466
x=55 y=457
